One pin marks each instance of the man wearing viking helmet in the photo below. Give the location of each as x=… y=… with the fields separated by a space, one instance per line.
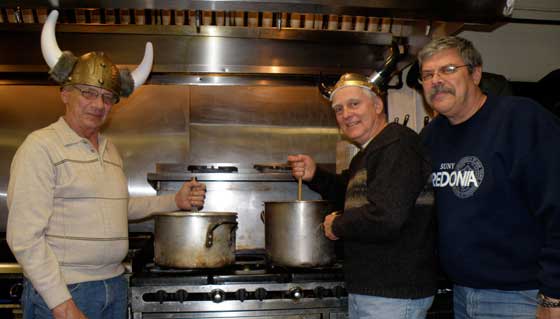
x=389 y=255
x=68 y=198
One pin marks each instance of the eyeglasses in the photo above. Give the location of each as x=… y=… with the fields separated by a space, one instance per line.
x=108 y=98
x=442 y=71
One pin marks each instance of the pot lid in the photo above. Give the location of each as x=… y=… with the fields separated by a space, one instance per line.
x=300 y=202
x=197 y=214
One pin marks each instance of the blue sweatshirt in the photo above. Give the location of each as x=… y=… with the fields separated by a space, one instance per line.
x=496 y=179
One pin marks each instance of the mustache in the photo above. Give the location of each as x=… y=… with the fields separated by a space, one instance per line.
x=440 y=89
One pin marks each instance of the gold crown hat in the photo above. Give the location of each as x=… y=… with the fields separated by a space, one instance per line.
x=92 y=68
x=376 y=82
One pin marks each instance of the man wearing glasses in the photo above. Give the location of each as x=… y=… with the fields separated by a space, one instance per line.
x=68 y=196
x=496 y=178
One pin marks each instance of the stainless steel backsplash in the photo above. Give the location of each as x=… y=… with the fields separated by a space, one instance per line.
x=175 y=123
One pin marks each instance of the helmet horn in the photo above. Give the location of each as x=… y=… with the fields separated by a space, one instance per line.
x=142 y=71
x=49 y=46
x=325 y=90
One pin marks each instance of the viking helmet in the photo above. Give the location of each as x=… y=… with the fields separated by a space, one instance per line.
x=93 y=68
x=376 y=82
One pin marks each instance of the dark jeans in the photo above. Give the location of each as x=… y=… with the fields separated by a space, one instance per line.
x=102 y=299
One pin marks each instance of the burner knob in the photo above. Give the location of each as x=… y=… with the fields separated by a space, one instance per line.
x=217 y=295
x=320 y=292
x=161 y=296
x=339 y=291
x=241 y=294
x=16 y=290
x=296 y=293
x=181 y=295
x=260 y=294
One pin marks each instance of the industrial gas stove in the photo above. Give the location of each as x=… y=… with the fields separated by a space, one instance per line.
x=251 y=288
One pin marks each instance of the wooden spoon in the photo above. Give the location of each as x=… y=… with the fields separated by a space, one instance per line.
x=299 y=188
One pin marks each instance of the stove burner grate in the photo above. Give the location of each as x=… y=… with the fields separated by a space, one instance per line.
x=250 y=264
x=245 y=264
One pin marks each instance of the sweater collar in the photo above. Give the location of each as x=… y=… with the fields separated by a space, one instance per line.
x=387 y=136
x=69 y=136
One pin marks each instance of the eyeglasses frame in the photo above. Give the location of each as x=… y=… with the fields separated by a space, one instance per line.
x=112 y=100
x=451 y=69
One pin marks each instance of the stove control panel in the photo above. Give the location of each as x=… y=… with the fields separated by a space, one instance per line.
x=218 y=295
x=297 y=297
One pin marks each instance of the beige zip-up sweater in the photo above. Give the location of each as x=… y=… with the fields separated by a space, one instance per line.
x=69 y=209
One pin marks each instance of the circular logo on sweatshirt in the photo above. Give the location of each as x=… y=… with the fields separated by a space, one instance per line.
x=469 y=175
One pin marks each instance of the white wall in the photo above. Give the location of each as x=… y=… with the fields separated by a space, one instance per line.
x=520 y=52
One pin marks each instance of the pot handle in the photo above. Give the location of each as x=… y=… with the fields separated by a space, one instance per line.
x=210 y=232
x=232 y=235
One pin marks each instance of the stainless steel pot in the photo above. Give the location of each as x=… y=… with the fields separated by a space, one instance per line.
x=294 y=233
x=195 y=239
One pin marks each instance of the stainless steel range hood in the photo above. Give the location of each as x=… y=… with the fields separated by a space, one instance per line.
x=449 y=10
x=346 y=36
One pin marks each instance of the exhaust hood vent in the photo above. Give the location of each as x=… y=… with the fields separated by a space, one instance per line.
x=243 y=37
x=486 y=11
x=197 y=18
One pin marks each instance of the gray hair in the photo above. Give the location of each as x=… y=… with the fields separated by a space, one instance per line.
x=371 y=95
x=466 y=49
x=374 y=98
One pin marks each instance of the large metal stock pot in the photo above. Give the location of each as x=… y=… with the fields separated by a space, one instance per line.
x=195 y=239
x=294 y=233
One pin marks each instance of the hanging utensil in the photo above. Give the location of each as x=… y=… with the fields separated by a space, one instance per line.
x=426 y=120
x=406 y=118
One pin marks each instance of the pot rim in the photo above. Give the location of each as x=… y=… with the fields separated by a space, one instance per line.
x=195 y=214
x=300 y=202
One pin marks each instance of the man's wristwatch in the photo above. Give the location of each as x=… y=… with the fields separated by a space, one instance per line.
x=547 y=302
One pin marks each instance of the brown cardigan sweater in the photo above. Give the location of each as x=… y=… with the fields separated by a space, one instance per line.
x=389 y=242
